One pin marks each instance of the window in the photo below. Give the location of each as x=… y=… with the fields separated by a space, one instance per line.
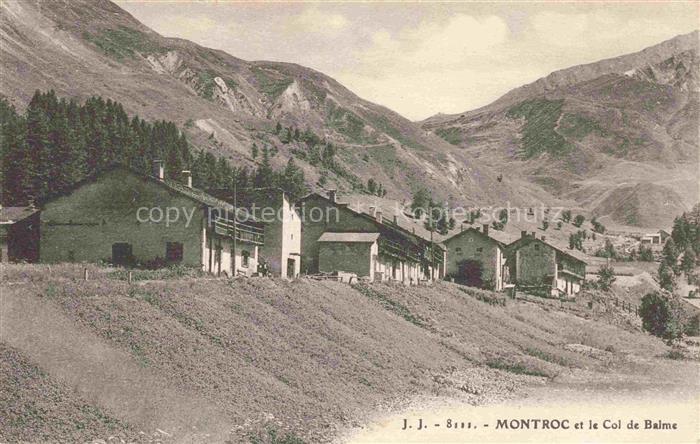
x=537 y=247
x=173 y=251
x=458 y=250
x=479 y=250
x=245 y=254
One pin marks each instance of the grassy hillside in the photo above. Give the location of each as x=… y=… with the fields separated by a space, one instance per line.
x=229 y=358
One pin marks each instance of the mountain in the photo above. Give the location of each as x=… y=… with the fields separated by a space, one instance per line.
x=225 y=105
x=616 y=136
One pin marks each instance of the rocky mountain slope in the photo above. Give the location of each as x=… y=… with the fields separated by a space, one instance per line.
x=225 y=104
x=619 y=136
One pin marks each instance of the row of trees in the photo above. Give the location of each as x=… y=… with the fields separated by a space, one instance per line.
x=57 y=143
x=437 y=215
x=681 y=251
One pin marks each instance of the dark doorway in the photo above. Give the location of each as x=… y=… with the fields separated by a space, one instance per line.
x=121 y=253
x=290 y=268
x=469 y=273
x=173 y=252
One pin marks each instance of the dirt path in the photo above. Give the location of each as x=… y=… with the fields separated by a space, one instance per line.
x=108 y=377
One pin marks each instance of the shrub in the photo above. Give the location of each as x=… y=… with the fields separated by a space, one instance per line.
x=566 y=216
x=675 y=354
x=645 y=254
x=667 y=278
x=692 y=326
x=660 y=317
x=579 y=220
x=271 y=436
x=606 y=277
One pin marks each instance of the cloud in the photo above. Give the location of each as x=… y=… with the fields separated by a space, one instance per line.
x=432 y=67
x=595 y=28
x=189 y=27
x=437 y=44
x=316 y=21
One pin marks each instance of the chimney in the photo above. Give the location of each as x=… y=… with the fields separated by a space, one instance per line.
x=158 y=169
x=532 y=233
x=544 y=238
x=187 y=177
x=373 y=211
x=461 y=227
x=379 y=215
x=396 y=219
x=486 y=229
x=523 y=234
x=332 y=195
x=413 y=230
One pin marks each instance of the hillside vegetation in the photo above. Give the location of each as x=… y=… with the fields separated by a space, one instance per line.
x=230 y=107
x=601 y=134
x=230 y=358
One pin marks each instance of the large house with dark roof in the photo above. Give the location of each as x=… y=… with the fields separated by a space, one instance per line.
x=123 y=217
x=538 y=266
x=477 y=259
x=336 y=238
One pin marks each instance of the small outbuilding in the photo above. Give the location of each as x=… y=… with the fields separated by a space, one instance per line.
x=348 y=252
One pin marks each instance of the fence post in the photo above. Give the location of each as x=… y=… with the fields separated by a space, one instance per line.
x=85 y=273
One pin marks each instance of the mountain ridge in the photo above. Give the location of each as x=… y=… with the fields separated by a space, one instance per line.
x=226 y=104
x=588 y=132
x=558 y=146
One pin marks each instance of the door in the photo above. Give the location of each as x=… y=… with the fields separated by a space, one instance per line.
x=469 y=273
x=291 y=266
x=121 y=253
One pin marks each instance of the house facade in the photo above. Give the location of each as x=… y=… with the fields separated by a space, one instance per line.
x=476 y=259
x=282 y=249
x=400 y=255
x=19 y=234
x=538 y=266
x=124 y=218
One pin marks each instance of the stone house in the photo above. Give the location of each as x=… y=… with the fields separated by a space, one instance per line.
x=476 y=259
x=274 y=208
x=538 y=266
x=400 y=255
x=125 y=218
x=19 y=234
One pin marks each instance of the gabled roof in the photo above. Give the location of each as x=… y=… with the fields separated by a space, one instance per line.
x=477 y=231
x=573 y=254
x=385 y=224
x=349 y=237
x=194 y=194
x=10 y=215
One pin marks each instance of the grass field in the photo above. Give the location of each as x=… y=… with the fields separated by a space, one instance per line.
x=196 y=356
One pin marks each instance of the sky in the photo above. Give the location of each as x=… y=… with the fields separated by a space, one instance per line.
x=420 y=59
